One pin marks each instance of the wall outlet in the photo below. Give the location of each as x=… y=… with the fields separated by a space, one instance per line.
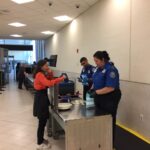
x=141 y=117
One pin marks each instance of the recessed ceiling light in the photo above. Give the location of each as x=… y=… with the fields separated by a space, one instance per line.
x=17 y=24
x=22 y=1
x=16 y=35
x=63 y=18
x=47 y=32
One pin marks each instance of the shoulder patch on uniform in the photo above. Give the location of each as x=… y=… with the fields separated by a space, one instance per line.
x=113 y=74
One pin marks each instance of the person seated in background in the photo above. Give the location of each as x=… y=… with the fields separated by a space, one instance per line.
x=86 y=75
x=21 y=76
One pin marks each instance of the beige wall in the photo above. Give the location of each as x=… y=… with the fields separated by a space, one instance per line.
x=140 y=48
x=105 y=26
x=123 y=28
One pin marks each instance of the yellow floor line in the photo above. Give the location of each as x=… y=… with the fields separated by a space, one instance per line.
x=134 y=133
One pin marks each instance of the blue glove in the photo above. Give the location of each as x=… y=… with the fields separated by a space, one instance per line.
x=85 y=80
x=92 y=93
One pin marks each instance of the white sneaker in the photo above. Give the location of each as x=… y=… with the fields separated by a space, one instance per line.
x=43 y=146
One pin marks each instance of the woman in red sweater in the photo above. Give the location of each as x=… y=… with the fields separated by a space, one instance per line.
x=43 y=78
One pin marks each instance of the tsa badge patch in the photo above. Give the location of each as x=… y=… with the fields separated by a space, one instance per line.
x=113 y=75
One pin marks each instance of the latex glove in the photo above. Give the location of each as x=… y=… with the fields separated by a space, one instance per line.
x=92 y=93
x=85 y=81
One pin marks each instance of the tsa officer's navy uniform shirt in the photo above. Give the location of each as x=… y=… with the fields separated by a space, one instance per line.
x=106 y=77
x=87 y=72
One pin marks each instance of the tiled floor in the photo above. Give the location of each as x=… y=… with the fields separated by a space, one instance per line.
x=17 y=125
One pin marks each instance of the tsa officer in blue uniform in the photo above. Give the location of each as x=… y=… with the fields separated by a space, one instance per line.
x=86 y=75
x=106 y=86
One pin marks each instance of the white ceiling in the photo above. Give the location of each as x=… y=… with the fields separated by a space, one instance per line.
x=38 y=16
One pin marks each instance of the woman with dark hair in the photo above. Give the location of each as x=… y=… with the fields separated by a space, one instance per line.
x=42 y=80
x=106 y=87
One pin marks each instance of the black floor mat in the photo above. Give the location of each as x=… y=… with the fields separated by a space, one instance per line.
x=127 y=141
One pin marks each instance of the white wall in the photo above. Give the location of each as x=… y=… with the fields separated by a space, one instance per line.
x=140 y=48
x=123 y=28
x=106 y=26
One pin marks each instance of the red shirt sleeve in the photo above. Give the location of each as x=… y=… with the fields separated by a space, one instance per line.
x=46 y=82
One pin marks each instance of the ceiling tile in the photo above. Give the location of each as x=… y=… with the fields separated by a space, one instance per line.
x=38 y=16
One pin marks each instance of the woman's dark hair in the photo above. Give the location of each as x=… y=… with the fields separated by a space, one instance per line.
x=102 y=55
x=39 y=66
x=46 y=59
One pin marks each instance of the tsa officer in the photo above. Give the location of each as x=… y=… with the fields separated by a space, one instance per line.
x=106 y=87
x=86 y=75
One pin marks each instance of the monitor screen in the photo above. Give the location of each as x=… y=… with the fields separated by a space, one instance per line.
x=53 y=60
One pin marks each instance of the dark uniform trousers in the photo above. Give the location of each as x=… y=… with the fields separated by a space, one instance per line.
x=85 y=90
x=108 y=104
x=41 y=111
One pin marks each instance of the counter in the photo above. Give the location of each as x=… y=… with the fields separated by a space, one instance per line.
x=83 y=130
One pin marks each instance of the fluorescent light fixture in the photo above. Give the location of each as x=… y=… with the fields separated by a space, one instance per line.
x=17 y=24
x=63 y=18
x=22 y=1
x=16 y=35
x=47 y=32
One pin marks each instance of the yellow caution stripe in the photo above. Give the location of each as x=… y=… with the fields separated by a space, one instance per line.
x=134 y=133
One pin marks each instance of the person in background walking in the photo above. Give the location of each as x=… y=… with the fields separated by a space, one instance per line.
x=21 y=76
x=17 y=70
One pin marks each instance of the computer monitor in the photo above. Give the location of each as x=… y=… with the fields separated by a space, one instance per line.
x=53 y=60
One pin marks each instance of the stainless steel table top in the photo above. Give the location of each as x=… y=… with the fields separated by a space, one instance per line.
x=78 y=111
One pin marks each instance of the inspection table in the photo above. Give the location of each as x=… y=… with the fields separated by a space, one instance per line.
x=83 y=130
